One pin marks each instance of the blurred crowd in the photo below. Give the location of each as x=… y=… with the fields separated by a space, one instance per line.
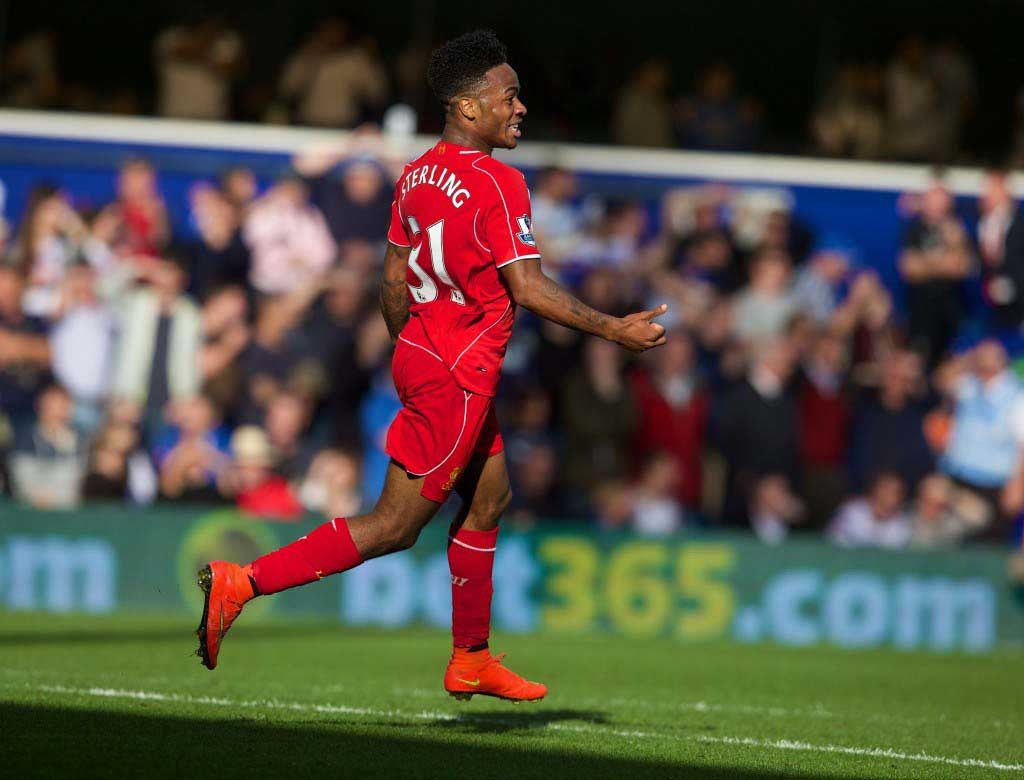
x=916 y=106
x=241 y=358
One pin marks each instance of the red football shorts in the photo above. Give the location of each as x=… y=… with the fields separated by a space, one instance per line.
x=440 y=426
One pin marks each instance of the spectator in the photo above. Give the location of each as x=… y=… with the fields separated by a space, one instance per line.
x=238 y=184
x=258 y=491
x=818 y=287
x=985 y=442
x=559 y=221
x=226 y=335
x=888 y=425
x=24 y=349
x=957 y=88
x=876 y=519
x=331 y=486
x=655 y=508
x=288 y=237
x=943 y=514
x=47 y=463
x=158 y=357
x=762 y=309
x=914 y=121
x=599 y=419
x=106 y=476
x=536 y=495
x=824 y=424
x=1001 y=247
x=357 y=202
x=192 y=454
x=143 y=228
x=672 y=409
x=47 y=244
x=82 y=343
x=642 y=115
x=714 y=118
x=329 y=336
x=220 y=256
x=333 y=80
x=196 y=65
x=31 y=76
x=757 y=428
x=287 y=421
x=935 y=260
x=774 y=509
x=848 y=120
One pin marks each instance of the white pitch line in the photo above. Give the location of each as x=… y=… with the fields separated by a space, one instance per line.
x=777 y=744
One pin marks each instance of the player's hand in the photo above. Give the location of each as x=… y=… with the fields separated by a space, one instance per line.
x=639 y=332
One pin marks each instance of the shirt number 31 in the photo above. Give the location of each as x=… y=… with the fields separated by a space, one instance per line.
x=427 y=289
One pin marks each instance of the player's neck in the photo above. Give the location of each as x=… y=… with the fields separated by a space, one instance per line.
x=454 y=135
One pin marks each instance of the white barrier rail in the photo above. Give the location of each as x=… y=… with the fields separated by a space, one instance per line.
x=615 y=160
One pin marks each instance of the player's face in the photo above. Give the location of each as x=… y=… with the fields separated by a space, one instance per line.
x=502 y=110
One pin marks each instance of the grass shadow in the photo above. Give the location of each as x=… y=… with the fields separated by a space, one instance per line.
x=517 y=720
x=57 y=743
x=161 y=634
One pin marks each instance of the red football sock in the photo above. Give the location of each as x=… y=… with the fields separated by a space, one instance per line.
x=325 y=550
x=471 y=560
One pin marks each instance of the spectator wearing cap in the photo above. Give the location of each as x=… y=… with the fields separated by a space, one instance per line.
x=351 y=185
x=258 y=491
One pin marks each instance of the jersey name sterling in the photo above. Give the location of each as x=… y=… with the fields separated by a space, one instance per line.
x=445 y=181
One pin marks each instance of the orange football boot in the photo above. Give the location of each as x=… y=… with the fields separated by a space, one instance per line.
x=481 y=673
x=227 y=589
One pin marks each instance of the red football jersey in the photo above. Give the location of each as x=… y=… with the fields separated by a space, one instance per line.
x=465 y=215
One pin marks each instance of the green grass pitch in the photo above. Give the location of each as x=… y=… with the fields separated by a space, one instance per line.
x=102 y=697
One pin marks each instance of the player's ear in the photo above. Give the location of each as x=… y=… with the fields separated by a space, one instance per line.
x=467 y=107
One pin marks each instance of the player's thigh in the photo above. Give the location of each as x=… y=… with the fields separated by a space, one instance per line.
x=485 y=492
x=400 y=514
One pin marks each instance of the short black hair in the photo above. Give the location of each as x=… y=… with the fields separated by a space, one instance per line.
x=456 y=65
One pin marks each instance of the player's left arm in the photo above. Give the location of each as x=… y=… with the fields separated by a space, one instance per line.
x=394 y=297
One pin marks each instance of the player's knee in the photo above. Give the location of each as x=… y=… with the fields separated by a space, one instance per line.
x=396 y=533
x=406 y=538
x=494 y=508
x=504 y=501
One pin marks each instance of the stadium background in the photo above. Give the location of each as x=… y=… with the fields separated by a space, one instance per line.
x=808 y=469
x=787 y=545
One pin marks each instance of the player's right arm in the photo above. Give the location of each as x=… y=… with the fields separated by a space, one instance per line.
x=394 y=297
x=533 y=289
